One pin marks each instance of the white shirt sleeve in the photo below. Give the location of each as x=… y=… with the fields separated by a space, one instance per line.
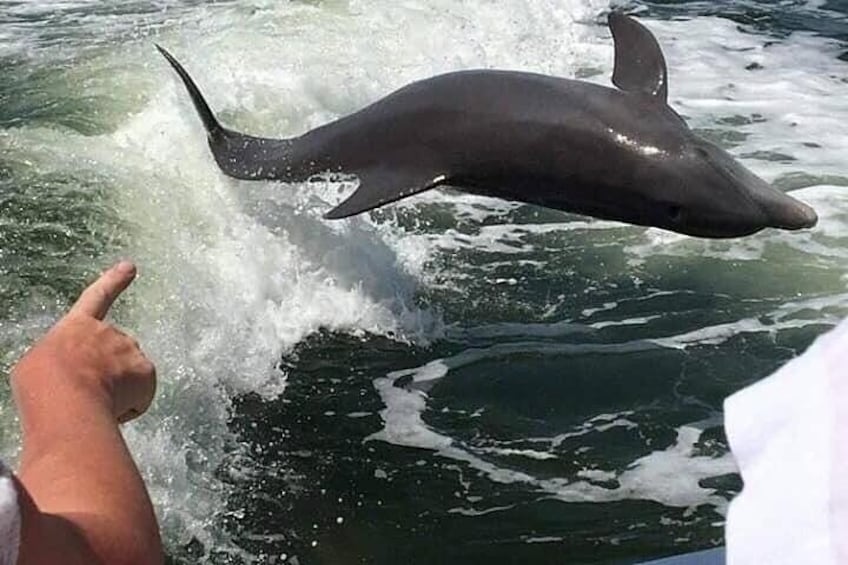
x=789 y=435
x=10 y=518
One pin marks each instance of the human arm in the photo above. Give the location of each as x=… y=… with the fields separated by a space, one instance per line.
x=81 y=496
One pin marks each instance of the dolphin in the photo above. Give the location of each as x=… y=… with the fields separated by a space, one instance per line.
x=614 y=153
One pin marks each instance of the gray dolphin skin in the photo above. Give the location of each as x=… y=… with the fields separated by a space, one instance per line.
x=618 y=154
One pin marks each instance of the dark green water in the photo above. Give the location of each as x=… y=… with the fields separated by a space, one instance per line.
x=454 y=380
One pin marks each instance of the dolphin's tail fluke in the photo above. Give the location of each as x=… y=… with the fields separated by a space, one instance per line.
x=239 y=155
x=210 y=122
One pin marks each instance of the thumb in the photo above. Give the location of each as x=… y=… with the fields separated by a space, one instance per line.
x=96 y=300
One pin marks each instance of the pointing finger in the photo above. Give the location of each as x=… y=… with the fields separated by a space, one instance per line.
x=96 y=300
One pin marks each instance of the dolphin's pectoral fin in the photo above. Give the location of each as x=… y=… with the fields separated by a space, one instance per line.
x=639 y=62
x=382 y=185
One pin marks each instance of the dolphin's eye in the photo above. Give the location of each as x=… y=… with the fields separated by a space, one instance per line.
x=675 y=213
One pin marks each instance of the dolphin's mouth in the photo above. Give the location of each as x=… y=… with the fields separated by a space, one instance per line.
x=774 y=208
x=795 y=215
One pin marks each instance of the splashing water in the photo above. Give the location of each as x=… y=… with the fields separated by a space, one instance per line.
x=453 y=366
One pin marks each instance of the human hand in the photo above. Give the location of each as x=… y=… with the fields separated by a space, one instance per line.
x=92 y=355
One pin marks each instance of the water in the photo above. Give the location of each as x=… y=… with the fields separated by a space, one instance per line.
x=454 y=379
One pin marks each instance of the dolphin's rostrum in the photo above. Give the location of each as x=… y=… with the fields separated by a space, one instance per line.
x=620 y=154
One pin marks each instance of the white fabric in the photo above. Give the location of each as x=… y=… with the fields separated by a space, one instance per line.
x=10 y=519
x=789 y=435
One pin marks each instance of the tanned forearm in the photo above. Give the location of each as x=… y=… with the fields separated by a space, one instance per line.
x=82 y=498
x=79 y=473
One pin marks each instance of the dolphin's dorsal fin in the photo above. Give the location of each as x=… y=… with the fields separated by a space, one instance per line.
x=639 y=62
x=383 y=184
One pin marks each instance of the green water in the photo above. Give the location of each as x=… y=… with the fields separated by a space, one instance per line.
x=453 y=380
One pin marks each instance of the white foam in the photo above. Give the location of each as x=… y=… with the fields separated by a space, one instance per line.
x=528 y=453
x=720 y=333
x=796 y=106
x=235 y=275
x=670 y=476
x=638 y=321
x=798 y=96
